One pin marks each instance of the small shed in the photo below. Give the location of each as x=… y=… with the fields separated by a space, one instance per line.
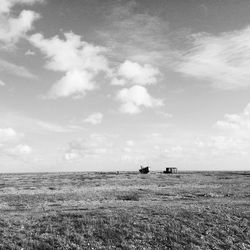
x=170 y=170
x=144 y=170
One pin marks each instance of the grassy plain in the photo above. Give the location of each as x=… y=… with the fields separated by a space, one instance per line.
x=208 y=210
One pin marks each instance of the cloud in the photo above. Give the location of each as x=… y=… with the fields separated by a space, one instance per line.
x=129 y=148
x=94 y=118
x=11 y=68
x=224 y=60
x=17 y=70
x=6 y=5
x=134 y=73
x=173 y=152
x=52 y=127
x=72 y=155
x=10 y=143
x=70 y=53
x=238 y=124
x=2 y=83
x=73 y=83
x=221 y=146
x=33 y=125
x=134 y=35
x=14 y=28
x=194 y=150
x=222 y=143
x=7 y=134
x=20 y=150
x=134 y=98
x=80 y=61
x=94 y=146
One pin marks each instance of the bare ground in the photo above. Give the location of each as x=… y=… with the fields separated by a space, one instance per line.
x=208 y=210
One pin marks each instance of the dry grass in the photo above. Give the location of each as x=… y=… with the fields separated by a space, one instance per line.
x=126 y=211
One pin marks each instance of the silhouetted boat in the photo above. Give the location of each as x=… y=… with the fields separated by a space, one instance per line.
x=144 y=170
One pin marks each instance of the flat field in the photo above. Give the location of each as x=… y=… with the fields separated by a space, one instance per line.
x=189 y=210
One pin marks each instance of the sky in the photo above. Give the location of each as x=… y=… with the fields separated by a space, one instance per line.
x=109 y=85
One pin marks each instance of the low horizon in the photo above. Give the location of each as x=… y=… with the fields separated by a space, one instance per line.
x=160 y=171
x=112 y=85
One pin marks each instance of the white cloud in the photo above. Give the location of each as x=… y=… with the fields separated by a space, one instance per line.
x=134 y=98
x=221 y=146
x=74 y=83
x=223 y=143
x=129 y=146
x=20 y=150
x=173 y=151
x=13 y=28
x=10 y=143
x=6 y=5
x=52 y=127
x=224 y=59
x=72 y=155
x=94 y=118
x=71 y=53
x=135 y=35
x=2 y=83
x=7 y=134
x=81 y=62
x=202 y=152
x=238 y=124
x=94 y=146
x=134 y=73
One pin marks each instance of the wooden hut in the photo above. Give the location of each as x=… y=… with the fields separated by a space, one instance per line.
x=144 y=170
x=171 y=170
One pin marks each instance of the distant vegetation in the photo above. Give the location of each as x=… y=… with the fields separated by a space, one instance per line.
x=126 y=211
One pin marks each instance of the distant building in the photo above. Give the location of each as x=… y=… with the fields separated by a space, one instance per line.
x=171 y=170
x=144 y=170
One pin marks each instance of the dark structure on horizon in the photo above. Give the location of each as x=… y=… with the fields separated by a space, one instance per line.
x=170 y=171
x=144 y=170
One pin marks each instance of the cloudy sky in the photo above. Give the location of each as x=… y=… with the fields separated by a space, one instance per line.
x=98 y=85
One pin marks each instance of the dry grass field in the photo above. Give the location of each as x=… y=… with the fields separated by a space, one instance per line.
x=208 y=210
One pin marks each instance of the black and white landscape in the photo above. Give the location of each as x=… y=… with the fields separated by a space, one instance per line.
x=93 y=90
